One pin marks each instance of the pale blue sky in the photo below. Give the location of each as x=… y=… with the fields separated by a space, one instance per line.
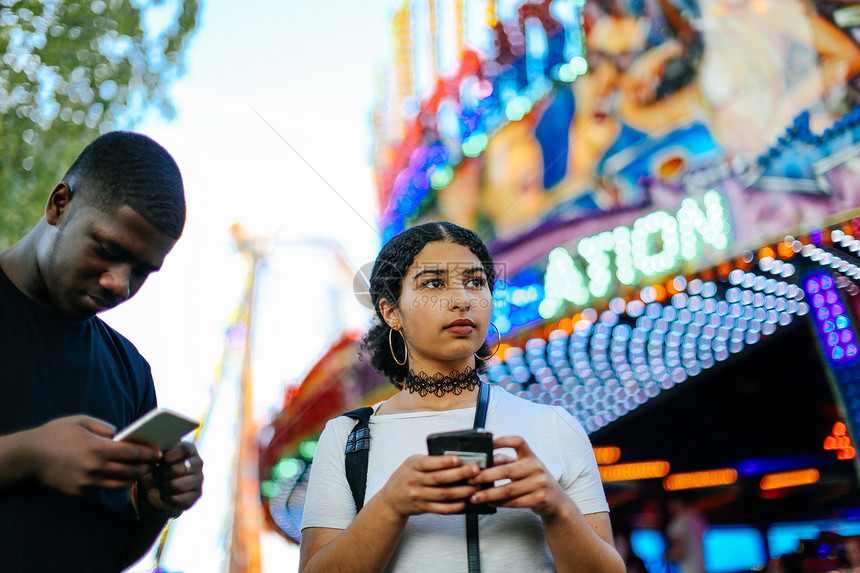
x=261 y=73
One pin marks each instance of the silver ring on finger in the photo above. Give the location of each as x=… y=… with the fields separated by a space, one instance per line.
x=187 y=466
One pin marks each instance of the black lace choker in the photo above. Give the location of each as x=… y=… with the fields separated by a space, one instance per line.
x=441 y=384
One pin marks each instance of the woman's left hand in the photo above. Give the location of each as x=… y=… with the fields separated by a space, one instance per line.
x=531 y=485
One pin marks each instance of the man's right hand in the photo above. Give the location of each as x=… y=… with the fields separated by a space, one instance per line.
x=76 y=455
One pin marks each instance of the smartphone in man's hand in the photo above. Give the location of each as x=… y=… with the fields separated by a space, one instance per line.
x=161 y=427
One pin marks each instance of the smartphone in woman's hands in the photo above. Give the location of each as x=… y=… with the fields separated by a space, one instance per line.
x=472 y=447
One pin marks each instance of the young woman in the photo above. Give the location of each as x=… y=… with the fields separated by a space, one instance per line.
x=431 y=287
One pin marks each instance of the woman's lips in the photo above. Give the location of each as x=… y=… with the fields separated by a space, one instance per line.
x=461 y=330
x=462 y=327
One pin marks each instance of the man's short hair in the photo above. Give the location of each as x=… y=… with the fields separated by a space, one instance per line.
x=126 y=168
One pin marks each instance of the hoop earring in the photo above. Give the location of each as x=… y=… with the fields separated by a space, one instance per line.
x=391 y=346
x=499 y=345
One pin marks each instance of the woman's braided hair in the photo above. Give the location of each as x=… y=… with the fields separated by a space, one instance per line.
x=386 y=282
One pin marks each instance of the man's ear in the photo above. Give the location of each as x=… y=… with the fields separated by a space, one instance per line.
x=389 y=314
x=58 y=203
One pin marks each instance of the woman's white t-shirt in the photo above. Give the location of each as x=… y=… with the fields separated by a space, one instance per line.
x=511 y=540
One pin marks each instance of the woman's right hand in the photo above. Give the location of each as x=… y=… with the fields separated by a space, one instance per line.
x=423 y=484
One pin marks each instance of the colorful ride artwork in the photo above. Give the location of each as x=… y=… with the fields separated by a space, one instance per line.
x=664 y=184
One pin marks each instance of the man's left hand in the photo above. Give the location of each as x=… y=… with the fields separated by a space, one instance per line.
x=176 y=481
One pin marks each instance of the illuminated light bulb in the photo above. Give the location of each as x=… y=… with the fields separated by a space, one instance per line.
x=286 y=468
x=848 y=453
x=308 y=448
x=694 y=286
x=566 y=73
x=634 y=471
x=785 y=249
x=707 y=478
x=654 y=310
x=617 y=305
x=789 y=479
x=709 y=289
x=441 y=177
x=766 y=253
x=795 y=292
x=269 y=488
x=578 y=64
x=515 y=110
x=475 y=144
x=648 y=294
x=670 y=313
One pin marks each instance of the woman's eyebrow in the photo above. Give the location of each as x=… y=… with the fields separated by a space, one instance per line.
x=434 y=272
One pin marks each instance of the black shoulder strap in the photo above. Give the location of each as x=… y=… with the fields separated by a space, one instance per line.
x=357 y=450
x=481 y=409
x=472 y=545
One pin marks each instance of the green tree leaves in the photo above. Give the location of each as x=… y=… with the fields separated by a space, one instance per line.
x=70 y=70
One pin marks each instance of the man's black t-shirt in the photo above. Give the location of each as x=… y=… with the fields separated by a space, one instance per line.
x=51 y=367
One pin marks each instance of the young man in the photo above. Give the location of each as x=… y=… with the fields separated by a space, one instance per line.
x=71 y=498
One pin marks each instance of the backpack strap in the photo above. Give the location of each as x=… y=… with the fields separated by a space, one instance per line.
x=472 y=545
x=481 y=409
x=356 y=453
